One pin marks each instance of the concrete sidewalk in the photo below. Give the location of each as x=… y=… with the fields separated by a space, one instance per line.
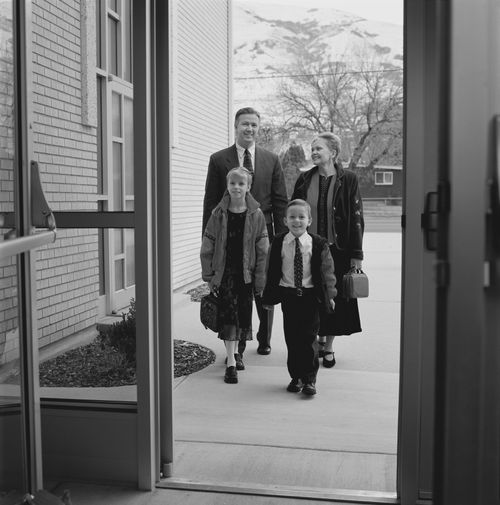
x=253 y=443
x=255 y=433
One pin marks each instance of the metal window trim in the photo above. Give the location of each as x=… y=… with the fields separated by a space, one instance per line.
x=146 y=306
x=30 y=402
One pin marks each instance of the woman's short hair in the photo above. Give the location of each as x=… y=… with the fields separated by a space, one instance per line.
x=241 y=172
x=332 y=141
x=298 y=202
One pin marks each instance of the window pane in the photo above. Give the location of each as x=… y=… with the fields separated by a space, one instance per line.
x=112 y=46
x=101 y=148
x=74 y=317
x=119 y=276
x=129 y=257
x=116 y=106
x=118 y=234
x=98 y=27
x=129 y=146
x=127 y=43
x=117 y=203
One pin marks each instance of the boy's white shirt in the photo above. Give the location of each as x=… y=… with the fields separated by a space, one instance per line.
x=287 y=255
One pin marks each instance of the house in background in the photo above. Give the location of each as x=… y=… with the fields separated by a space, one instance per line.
x=381 y=182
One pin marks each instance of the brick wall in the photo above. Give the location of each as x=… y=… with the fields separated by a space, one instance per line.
x=66 y=149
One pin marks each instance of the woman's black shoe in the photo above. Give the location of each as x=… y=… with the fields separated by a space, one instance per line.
x=329 y=363
x=231 y=375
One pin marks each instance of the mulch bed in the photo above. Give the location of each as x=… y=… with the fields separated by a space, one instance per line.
x=198 y=292
x=98 y=365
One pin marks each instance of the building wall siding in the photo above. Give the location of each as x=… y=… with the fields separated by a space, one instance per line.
x=201 y=109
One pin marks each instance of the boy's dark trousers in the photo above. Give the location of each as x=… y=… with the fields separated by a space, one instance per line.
x=301 y=325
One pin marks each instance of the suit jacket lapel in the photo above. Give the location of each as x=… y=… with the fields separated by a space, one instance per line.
x=232 y=158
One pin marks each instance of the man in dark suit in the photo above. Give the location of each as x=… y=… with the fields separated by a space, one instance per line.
x=268 y=188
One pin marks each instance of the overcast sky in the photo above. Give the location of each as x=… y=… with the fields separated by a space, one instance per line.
x=381 y=10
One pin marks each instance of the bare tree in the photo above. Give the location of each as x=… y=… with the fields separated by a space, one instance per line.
x=361 y=99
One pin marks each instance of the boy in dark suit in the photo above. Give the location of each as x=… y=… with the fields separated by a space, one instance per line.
x=268 y=188
x=300 y=276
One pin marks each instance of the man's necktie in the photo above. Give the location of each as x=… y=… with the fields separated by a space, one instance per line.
x=247 y=161
x=298 y=269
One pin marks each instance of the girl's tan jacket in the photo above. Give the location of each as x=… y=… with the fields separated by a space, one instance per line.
x=255 y=244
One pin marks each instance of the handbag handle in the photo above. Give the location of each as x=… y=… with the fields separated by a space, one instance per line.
x=355 y=270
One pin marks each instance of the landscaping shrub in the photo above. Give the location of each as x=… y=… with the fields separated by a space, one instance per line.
x=121 y=335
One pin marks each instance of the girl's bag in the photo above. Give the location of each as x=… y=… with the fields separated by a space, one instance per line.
x=210 y=312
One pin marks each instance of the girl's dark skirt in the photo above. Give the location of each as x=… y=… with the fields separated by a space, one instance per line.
x=237 y=298
x=345 y=319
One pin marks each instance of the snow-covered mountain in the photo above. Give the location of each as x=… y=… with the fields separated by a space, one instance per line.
x=267 y=37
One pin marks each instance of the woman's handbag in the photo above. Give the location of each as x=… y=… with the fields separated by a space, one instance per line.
x=355 y=284
x=210 y=312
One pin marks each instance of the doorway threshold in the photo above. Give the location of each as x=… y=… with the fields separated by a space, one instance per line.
x=295 y=492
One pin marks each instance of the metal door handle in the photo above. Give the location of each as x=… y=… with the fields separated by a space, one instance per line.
x=41 y=217
x=429 y=220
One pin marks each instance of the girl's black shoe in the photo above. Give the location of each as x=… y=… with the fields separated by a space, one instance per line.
x=231 y=375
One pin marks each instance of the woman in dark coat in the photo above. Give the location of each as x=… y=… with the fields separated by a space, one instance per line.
x=337 y=215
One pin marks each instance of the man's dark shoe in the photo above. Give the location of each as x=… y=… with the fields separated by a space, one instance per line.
x=264 y=350
x=309 y=389
x=239 y=362
x=231 y=375
x=295 y=386
x=329 y=363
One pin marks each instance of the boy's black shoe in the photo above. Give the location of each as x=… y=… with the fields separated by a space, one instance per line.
x=309 y=389
x=231 y=375
x=239 y=362
x=295 y=386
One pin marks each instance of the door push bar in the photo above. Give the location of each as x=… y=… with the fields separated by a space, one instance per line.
x=41 y=217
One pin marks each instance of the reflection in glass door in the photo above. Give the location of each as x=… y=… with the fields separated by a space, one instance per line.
x=11 y=416
x=19 y=469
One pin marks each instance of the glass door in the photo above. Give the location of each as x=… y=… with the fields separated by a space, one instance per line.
x=22 y=205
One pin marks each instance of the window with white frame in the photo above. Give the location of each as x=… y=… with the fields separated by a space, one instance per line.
x=115 y=142
x=383 y=178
